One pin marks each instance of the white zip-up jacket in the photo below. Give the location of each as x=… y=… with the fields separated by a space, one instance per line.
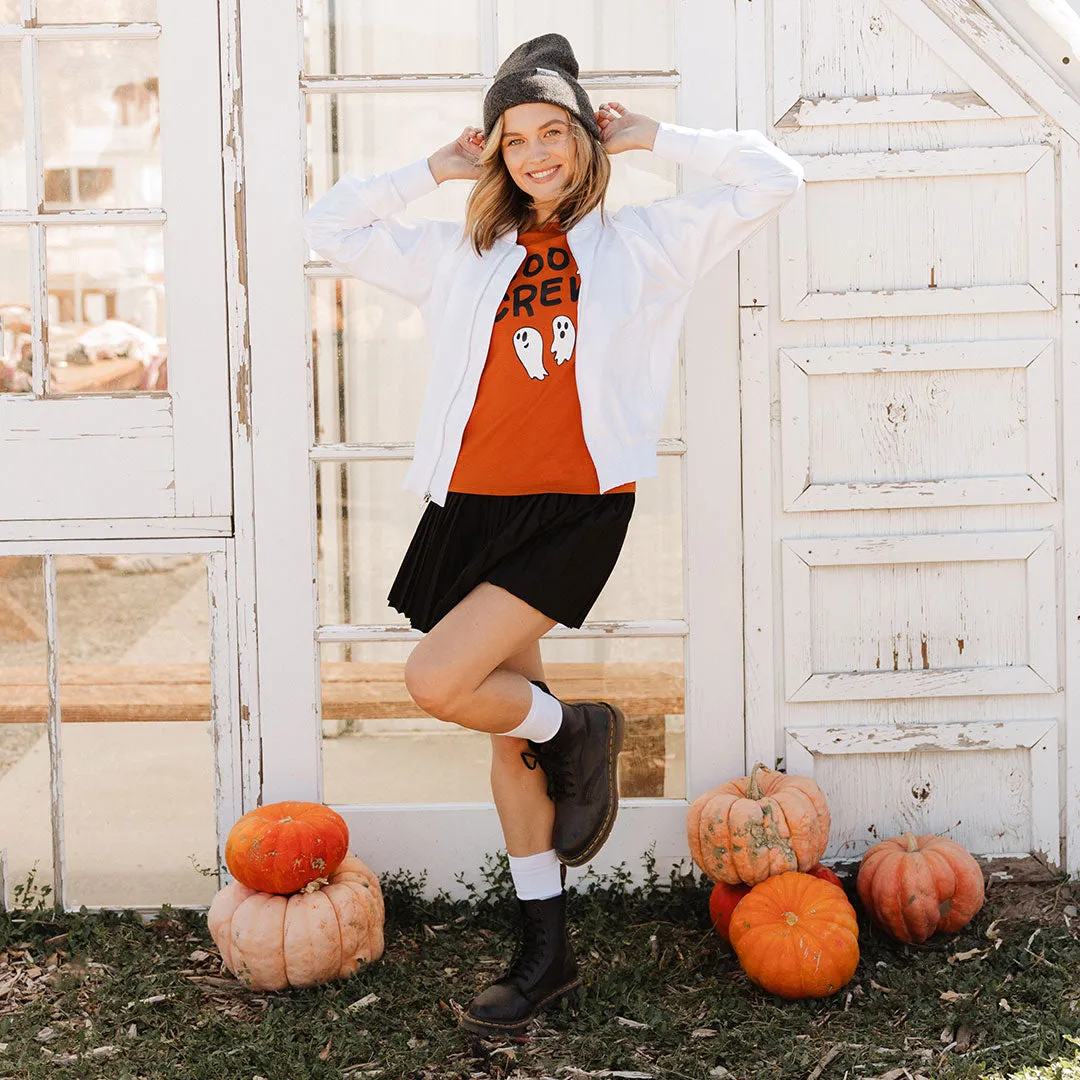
x=636 y=272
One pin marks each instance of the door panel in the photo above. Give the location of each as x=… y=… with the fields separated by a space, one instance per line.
x=114 y=376
x=900 y=426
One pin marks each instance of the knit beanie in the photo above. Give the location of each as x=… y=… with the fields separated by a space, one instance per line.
x=542 y=69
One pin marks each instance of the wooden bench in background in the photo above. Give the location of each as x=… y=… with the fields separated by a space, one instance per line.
x=646 y=692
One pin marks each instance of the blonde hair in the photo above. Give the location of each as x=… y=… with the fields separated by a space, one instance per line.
x=496 y=204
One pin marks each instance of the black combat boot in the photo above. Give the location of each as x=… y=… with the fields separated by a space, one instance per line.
x=542 y=971
x=582 y=766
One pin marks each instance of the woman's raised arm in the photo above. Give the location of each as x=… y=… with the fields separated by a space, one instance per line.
x=354 y=225
x=699 y=228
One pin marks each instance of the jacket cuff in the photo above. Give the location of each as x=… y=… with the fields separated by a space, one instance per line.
x=413 y=181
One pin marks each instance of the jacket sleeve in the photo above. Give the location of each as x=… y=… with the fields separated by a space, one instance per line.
x=353 y=226
x=755 y=180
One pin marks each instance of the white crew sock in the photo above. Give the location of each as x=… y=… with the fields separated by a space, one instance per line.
x=536 y=877
x=543 y=720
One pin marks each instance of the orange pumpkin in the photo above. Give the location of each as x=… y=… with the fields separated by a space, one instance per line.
x=722 y=902
x=913 y=886
x=279 y=848
x=796 y=936
x=763 y=824
x=326 y=931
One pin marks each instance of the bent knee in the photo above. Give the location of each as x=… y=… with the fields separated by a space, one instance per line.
x=432 y=687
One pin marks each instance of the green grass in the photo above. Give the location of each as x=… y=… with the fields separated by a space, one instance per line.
x=648 y=954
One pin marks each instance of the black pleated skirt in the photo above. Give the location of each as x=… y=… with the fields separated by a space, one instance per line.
x=553 y=550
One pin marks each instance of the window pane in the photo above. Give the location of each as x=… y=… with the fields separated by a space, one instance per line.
x=602 y=34
x=15 y=353
x=371 y=358
x=362 y=515
x=12 y=140
x=374 y=133
x=647 y=582
x=81 y=11
x=387 y=37
x=366 y=522
x=100 y=124
x=378 y=747
x=24 y=708
x=10 y=12
x=106 y=308
x=138 y=764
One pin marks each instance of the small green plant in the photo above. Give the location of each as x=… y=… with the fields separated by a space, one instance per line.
x=205 y=871
x=31 y=897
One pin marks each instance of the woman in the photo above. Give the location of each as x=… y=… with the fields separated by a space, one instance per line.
x=554 y=327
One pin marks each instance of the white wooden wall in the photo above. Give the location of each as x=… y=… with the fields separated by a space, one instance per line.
x=909 y=334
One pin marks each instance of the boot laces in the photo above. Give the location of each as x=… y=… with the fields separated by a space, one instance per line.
x=560 y=777
x=530 y=953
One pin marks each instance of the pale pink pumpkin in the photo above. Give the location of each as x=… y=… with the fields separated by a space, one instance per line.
x=326 y=931
x=914 y=886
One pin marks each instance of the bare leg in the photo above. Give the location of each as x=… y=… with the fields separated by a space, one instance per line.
x=473 y=668
x=454 y=673
x=525 y=811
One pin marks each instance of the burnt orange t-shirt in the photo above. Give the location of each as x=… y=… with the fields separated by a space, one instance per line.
x=524 y=434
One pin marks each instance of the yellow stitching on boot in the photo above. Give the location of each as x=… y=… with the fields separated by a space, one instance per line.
x=536 y=1008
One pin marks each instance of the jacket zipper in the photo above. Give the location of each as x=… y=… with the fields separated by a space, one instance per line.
x=457 y=389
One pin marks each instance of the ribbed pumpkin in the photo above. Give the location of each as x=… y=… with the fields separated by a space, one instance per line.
x=327 y=931
x=796 y=936
x=913 y=886
x=280 y=847
x=763 y=824
x=722 y=902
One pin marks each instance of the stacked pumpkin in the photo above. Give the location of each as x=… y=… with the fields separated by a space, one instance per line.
x=302 y=910
x=760 y=838
x=786 y=916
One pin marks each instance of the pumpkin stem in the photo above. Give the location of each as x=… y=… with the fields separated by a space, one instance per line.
x=791 y=918
x=315 y=885
x=753 y=788
x=912 y=841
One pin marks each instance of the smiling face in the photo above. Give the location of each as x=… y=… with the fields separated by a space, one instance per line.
x=538 y=149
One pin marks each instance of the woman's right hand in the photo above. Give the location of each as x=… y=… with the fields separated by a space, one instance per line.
x=459 y=160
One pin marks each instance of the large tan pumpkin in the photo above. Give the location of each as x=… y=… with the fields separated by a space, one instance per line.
x=326 y=931
x=759 y=825
x=914 y=886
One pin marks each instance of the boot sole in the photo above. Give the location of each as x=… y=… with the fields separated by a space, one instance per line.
x=485 y=1027
x=618 y=734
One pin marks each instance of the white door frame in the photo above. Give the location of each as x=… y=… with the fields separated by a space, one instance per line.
x=284 y=532
x=146 y=458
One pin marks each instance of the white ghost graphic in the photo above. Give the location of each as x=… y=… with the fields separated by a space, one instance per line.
x=563 y=337
x=529 y=346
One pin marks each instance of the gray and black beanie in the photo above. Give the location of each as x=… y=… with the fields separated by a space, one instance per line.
x=542 y=69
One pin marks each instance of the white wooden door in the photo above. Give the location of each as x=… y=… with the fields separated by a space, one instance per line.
x=114 y=392
x=337 y=376
x=901 y=348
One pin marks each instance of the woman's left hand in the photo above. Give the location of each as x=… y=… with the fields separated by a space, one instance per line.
x=623 y=130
